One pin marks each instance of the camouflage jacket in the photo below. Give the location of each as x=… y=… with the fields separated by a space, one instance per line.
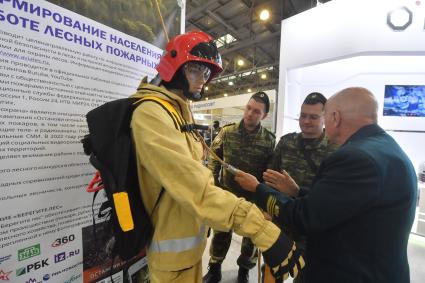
x=289 y=155
x=250 y=152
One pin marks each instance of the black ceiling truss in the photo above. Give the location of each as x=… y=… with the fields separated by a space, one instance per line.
x=257 y=42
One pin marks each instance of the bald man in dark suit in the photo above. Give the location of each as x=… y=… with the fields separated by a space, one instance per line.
x=358 y=214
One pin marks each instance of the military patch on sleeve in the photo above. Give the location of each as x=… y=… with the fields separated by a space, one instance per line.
x=227 y=125
x=272 y=207
x=276 y=210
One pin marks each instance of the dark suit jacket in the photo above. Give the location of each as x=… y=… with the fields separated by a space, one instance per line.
x=357 y=215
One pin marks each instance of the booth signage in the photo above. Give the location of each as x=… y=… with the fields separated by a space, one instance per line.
x=404 y=23
x=400 y=19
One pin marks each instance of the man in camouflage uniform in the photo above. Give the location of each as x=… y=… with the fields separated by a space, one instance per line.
x=300 y=154
x=215 y=130
x=247 y=146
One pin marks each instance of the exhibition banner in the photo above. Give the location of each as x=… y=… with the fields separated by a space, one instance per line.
x=232 y=101
x=144 y=19
x=55 y=66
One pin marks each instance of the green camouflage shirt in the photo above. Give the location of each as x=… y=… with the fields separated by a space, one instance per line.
x=288 y=155
x=250 y=152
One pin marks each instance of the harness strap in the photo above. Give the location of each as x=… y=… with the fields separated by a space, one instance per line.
x=121 y=201
x=167 y=106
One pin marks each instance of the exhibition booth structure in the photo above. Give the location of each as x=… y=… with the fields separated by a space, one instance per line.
x=58 y=60
x=230 y=109
x=379 y=45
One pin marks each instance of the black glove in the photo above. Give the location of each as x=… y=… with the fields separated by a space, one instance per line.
x=284 y=258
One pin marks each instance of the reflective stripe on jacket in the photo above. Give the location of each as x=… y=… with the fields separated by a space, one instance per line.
x=178 y=245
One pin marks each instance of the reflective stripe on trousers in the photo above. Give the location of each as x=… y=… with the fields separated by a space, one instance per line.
x=178 y=245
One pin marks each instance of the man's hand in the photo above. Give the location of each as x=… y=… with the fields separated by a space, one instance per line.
x=282 y=182
x=246 y=181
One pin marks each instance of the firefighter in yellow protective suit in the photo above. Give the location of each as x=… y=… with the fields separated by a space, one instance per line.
x=169 y=156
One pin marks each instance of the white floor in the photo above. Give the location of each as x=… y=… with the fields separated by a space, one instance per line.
x=229 y=267
x=416 y=251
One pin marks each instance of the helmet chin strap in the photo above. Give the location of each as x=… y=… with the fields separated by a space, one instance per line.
x=193 y=96
x=180 y=81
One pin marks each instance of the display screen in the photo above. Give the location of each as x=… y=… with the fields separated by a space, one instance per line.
x=404 y=100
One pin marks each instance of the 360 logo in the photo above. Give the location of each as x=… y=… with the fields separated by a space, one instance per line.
x=62 y=241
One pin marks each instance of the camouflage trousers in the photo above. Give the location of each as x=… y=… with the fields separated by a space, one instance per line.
x=220 y=246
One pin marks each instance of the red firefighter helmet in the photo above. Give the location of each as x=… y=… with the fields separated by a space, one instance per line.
x=191 y=46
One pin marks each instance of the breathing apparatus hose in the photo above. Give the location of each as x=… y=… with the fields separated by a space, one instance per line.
x=228 y=167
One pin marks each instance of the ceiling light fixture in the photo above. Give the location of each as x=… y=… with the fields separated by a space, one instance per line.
x=249 y=90
x=241 y=62
x=264 y=15
x=225 y=95
x=263 y=76
x=230 y=83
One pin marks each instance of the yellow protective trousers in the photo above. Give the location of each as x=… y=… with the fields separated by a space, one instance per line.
x=188 y=275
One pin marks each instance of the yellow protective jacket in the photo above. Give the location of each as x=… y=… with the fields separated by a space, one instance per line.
x=169 y=158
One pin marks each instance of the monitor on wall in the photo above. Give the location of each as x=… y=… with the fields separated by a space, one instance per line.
x=404 y=100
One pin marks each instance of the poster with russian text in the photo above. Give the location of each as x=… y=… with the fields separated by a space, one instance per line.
x=55 y=66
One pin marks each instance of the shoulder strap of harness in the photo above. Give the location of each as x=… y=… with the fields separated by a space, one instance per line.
x=121 y=198
x=168 y=107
